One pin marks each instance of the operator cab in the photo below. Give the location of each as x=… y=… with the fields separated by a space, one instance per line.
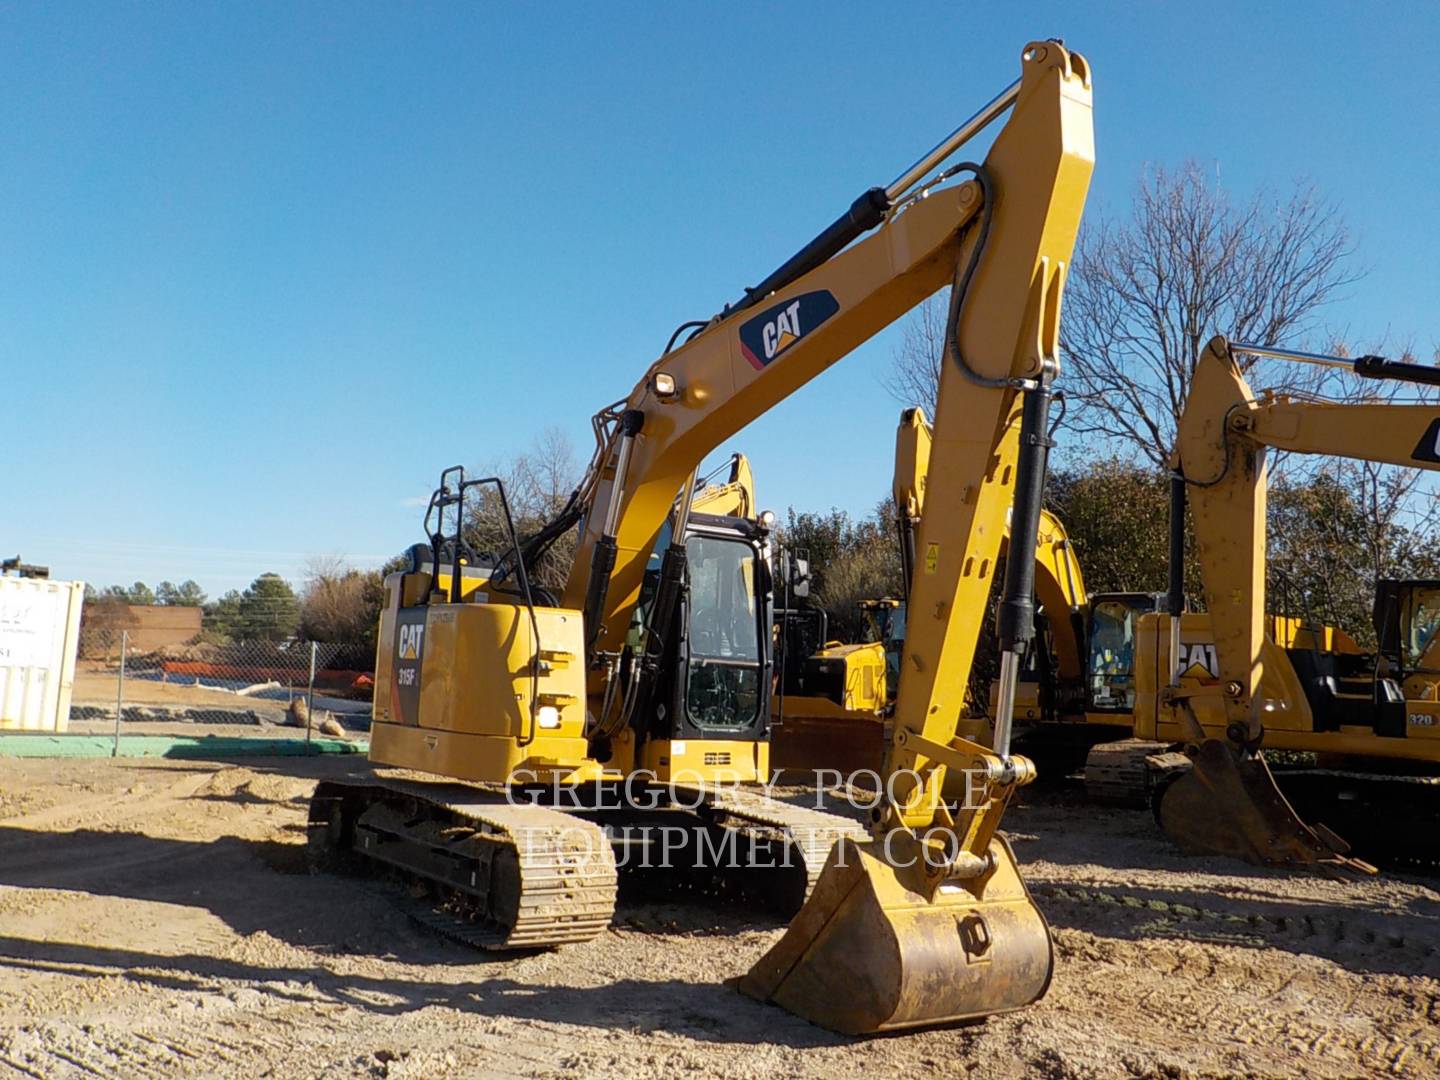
x=1407 y=618
x=1110 y=652
x=719 y=688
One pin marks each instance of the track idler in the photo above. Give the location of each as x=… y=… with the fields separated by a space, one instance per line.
x=870 y=951
x=1229 y=804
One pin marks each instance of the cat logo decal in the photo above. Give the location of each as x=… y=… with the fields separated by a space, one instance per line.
x=775 y=330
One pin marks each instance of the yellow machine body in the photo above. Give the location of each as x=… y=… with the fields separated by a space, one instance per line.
x=814 y=733
x=456 y=692
x=1289 y=721
x=696 y=761
x=1127 y=684
x=1124 y=687
x=460 y=697
x=862 y=668
x=940 y=929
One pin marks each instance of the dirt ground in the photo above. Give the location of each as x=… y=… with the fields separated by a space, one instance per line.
x=157 y=919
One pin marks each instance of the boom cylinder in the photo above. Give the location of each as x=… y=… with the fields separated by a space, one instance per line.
x=663 y=617
x=864 y=214
x=1368 y=367
x=1016 y=619
x=602 y=556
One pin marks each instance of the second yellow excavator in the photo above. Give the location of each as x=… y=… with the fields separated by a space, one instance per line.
x=832 y=698
x=833 y=705
x=1263 y=695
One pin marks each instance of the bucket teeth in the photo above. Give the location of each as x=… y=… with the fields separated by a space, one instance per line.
x=1229 y=805
x=867 y=953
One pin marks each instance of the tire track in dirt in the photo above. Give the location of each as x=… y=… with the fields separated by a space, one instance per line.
x=110 y=809
x=1341 y=936
x=1237 y=996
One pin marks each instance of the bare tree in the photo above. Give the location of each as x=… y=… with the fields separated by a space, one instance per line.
x=915 y=369
x=547 y=474
x=537 y=485
x=1146 y=294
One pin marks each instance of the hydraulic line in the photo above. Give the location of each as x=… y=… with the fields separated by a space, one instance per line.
x=602 y=558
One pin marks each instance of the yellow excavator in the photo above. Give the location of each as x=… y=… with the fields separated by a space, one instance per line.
x=1265 y=695
x=1106 y=667
x=1101 y=668
x=561 y=736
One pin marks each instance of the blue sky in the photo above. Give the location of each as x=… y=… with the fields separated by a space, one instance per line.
x=268 y=267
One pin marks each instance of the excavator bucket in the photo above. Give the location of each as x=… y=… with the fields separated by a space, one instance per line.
x=869 y=953
x=1229 y=805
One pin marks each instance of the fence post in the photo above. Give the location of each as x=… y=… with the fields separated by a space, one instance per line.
x=310 y=696
x=120 y=692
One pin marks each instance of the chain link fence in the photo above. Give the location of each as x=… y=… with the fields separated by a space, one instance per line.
x=129 y=676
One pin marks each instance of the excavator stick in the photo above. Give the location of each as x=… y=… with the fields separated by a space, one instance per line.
x=929 y=921
x=869 y=952
x=1229 y=804
x=884 y=944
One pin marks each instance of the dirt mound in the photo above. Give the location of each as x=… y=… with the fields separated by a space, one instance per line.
x=241 y=784
x=198 y=651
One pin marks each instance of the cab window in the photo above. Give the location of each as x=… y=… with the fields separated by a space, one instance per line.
x=1112 y=655
x=724 y=676
x=1424 y=621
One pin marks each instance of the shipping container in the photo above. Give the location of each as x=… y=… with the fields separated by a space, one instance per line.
x=39 y=630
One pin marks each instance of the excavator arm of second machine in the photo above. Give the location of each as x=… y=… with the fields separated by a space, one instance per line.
x=1229 y=803
x=929 y=921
